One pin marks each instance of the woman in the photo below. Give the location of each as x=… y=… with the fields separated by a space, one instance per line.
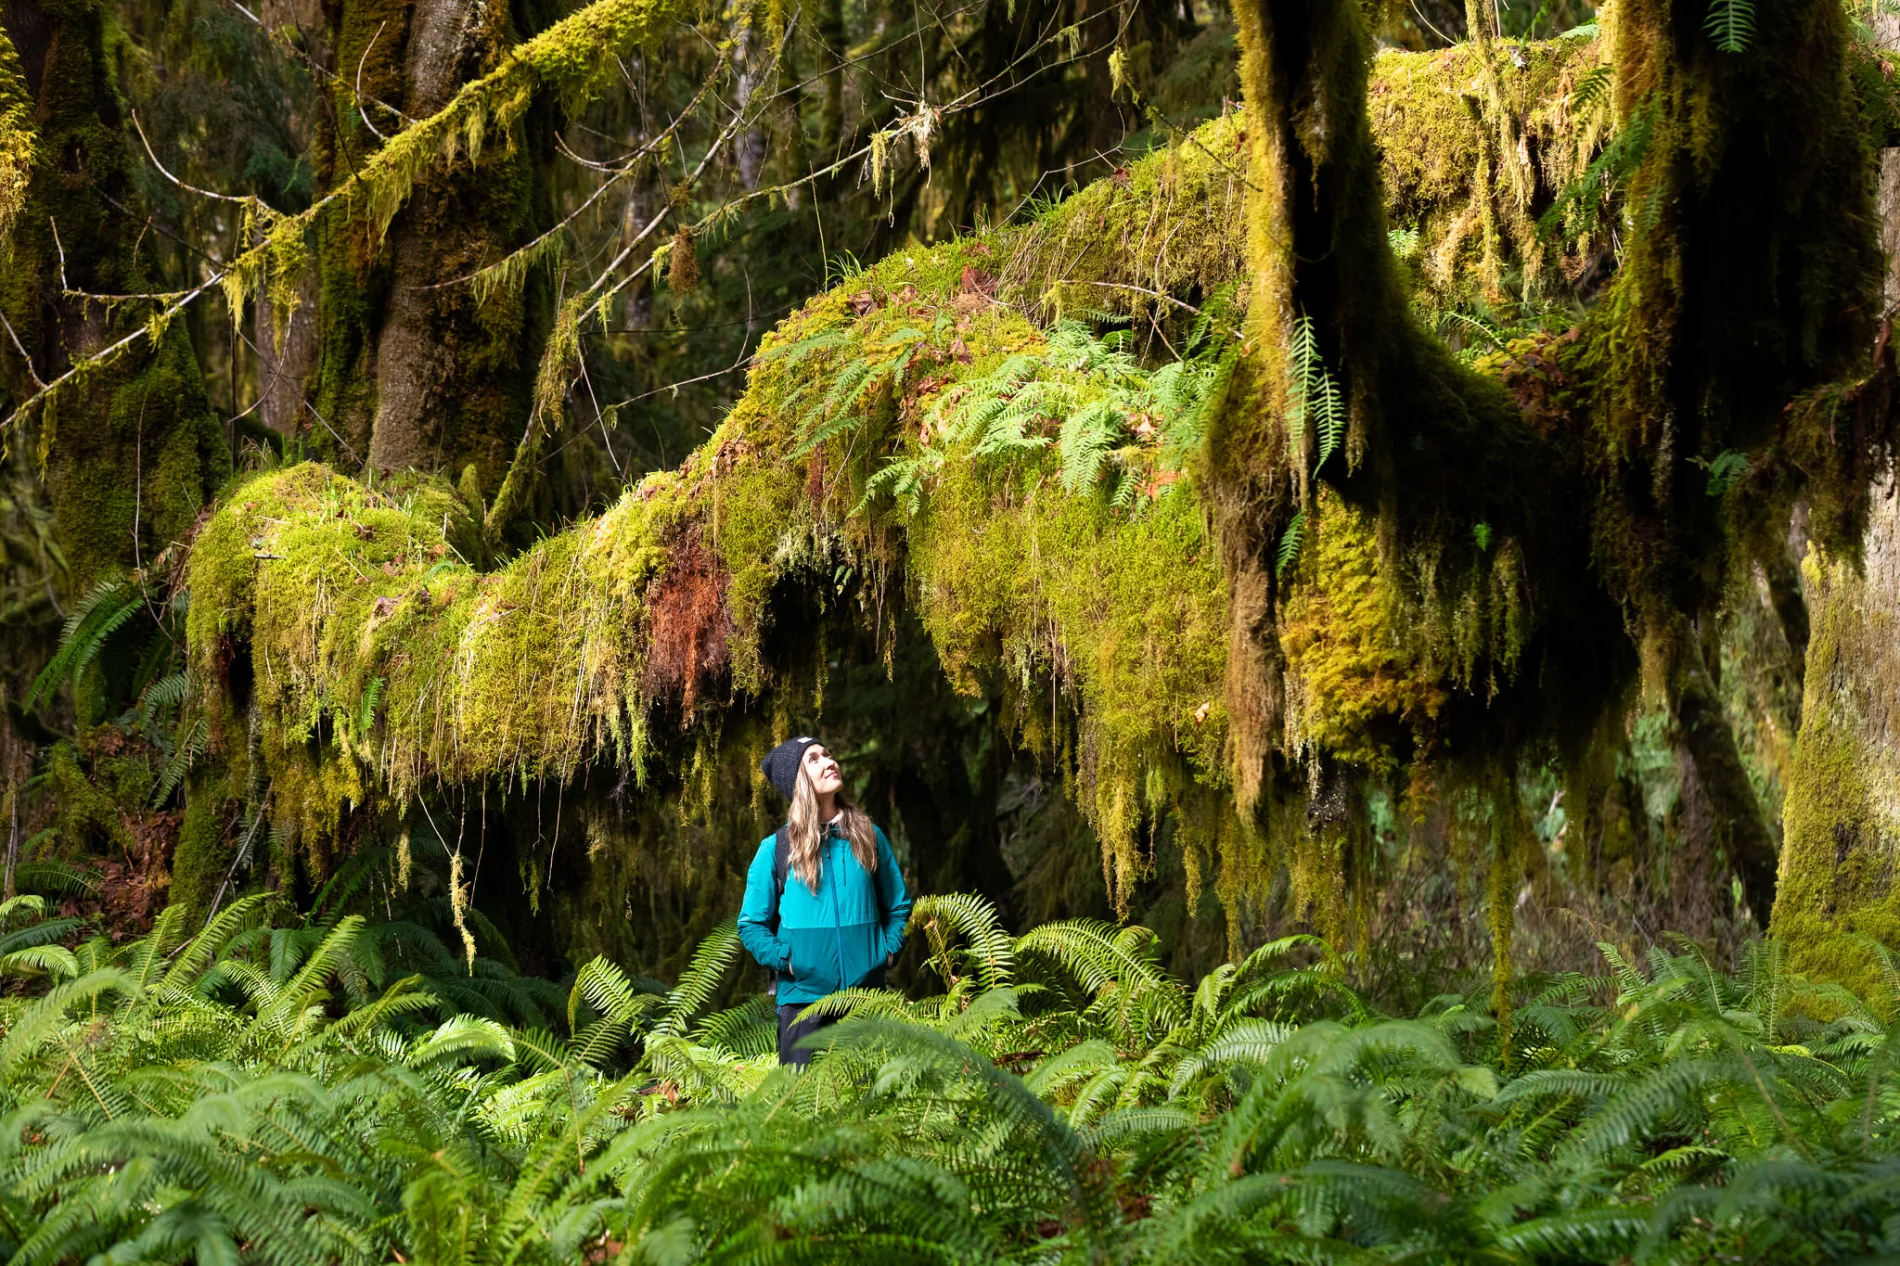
x=839 y=918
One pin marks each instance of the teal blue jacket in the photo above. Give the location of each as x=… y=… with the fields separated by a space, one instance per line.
x=831 y=939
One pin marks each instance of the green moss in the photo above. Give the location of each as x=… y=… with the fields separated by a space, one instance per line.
x=16 y=143
x=203 y=854
x=1438 y=142
x=1836 y=895
x=1351 y=671
x=349 y=285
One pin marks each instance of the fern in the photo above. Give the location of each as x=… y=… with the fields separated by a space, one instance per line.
x=101 y=613
x=366 y=711
x=161 y=696
x=1289 y=547
x=1312 y=396
x=276 y=1088
x=1592 y=90
x=191 y=746
x=1731 y=24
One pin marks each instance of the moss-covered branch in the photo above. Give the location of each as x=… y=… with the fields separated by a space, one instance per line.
x=569 y=61
x=866 y=444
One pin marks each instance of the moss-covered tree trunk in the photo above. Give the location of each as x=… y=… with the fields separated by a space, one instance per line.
x=418 y=370
x=1841 y=819
x=1736 y=825
x=132 y=450
x=1841 y=822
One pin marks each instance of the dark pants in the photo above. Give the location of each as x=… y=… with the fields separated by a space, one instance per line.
x=791 y=1029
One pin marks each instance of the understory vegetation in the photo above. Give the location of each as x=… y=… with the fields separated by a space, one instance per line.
x=334 y=1089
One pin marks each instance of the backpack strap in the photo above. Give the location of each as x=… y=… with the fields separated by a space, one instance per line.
x=781 y=865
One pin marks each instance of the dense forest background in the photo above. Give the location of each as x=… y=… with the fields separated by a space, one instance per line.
x=498 y=268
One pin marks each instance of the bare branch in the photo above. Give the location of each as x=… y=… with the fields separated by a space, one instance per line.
x=364 y=114
x=203 y=193
x=31 y=372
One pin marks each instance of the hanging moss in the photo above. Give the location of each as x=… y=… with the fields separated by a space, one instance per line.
x=1353 y=678
x=16 y=142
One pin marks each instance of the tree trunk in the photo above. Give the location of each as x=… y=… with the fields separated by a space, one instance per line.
x=831 y=40
x=1734 y=820
x=132 y=451
x=1841 y=822
x=415 y=372
x=285 y=365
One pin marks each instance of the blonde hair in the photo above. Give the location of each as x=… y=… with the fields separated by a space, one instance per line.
x=806 y=831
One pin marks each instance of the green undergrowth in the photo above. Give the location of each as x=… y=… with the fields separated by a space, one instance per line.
x=330 y=1089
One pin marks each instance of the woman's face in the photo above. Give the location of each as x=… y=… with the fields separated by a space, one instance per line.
x=822 y=770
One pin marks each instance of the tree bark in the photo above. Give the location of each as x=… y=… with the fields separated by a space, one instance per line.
x=1735 y=821
x=414 y=372
x=132 y=451
x=285 y=367
x=1841 y=822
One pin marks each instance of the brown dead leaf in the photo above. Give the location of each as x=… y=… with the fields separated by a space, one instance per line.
x=977 y=283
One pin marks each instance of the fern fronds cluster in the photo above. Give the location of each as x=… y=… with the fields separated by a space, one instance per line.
x=1112 y=423
x=279 y=1090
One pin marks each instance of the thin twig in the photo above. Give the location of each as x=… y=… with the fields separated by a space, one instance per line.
x=31 y=372
x=243 y=849
x=361 y=112
x=203 y=193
